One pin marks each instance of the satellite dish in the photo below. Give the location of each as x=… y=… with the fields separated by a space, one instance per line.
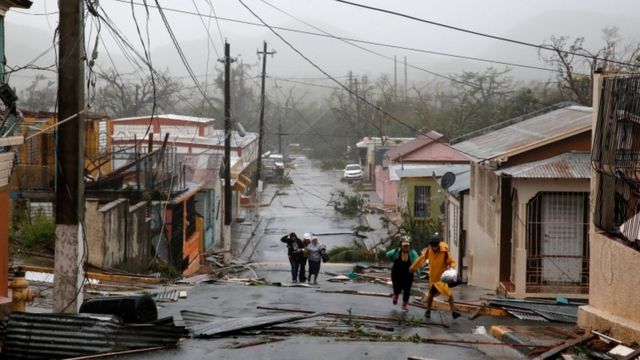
x=447 y=180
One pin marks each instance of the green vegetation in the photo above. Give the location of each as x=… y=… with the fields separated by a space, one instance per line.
x=36 y=234
x=350 y=205
x=354 y=253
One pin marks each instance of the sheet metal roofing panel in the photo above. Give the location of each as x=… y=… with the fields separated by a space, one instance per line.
x=570 y=165
x=56 y=336
x=184 y=118
x=431 y=170
x=225 y=326
x=495 y=141
x=413 y=145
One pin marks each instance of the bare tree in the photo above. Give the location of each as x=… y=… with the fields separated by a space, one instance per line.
x=40 y=95
x=576 y=64
x=119 y=97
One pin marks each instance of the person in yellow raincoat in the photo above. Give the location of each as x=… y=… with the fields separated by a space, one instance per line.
x=437 y=252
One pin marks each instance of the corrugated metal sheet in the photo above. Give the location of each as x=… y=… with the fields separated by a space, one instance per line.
x=511 y=134
x=525 y=315
x=571 y=165
x=167 y=295
x=225 y=326
x=57 y=336
x=193 y=318
x=551 y=312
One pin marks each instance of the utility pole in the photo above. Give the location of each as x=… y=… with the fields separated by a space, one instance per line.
x=405 y=79
x=264 y=54
x=227 y=134
x=395 y=76
x=69 y=248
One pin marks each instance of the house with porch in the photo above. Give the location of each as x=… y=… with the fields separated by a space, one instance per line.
x=431 y=149
x=614 y=304
x=528 y=203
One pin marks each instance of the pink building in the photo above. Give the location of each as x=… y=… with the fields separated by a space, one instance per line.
x=431 y=148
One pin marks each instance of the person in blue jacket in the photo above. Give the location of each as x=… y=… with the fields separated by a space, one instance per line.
x=401 y=277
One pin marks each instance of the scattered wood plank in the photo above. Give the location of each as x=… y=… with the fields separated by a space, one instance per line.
x=355 y=292
x=118 y=353
x=465 y=308
x=557 y=330
x=564 y=346
x=255 y=343
x=133 y=278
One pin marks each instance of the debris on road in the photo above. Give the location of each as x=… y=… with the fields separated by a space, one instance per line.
x=355 y=292
x=61 y=336
x=266 y=340
x=219 y=327
x=538 y=310
x=593 y=345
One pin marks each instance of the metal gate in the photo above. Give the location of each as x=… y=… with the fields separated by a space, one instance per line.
x=557 y=242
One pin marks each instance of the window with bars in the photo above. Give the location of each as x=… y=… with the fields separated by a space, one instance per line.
x=422 y=199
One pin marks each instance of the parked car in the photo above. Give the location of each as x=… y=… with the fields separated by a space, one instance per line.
x=278 y=160
x=353 y=172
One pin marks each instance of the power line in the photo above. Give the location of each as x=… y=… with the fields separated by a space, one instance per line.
x=371 y=51
x=495 y=37
x=407 y=48
x=328 y=75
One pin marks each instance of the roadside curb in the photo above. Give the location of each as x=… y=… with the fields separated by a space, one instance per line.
x=506 y=335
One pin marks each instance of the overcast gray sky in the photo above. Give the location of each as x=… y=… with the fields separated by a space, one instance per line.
x=530 y=21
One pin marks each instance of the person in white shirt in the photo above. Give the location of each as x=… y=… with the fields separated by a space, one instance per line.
x=315 y=250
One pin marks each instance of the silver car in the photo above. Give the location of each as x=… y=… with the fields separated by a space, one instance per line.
x=353 y=172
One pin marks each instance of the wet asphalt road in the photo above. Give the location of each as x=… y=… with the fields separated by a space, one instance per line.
x=303 y=207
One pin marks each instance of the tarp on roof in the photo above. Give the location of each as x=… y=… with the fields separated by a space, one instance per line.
x=512 y=134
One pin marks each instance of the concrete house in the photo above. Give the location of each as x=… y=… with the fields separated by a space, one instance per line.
x=614 y=304
x=431 y=148
x=528 y=203
x=420 y=194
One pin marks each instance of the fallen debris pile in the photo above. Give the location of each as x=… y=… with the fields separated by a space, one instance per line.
x=593 y=345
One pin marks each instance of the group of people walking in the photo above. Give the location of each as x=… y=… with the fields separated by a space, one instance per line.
x=300 y=251
x=406 y=263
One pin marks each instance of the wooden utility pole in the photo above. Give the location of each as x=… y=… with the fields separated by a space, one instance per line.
x=395 y=76
x=264 y=54
x=69 y=248
x=227 y=134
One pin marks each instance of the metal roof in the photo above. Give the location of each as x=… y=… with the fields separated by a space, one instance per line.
x=173 y=117
x=525 y=131
x=58 y=336
x=415 y=144
x=570 y=165
x=431 y=170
